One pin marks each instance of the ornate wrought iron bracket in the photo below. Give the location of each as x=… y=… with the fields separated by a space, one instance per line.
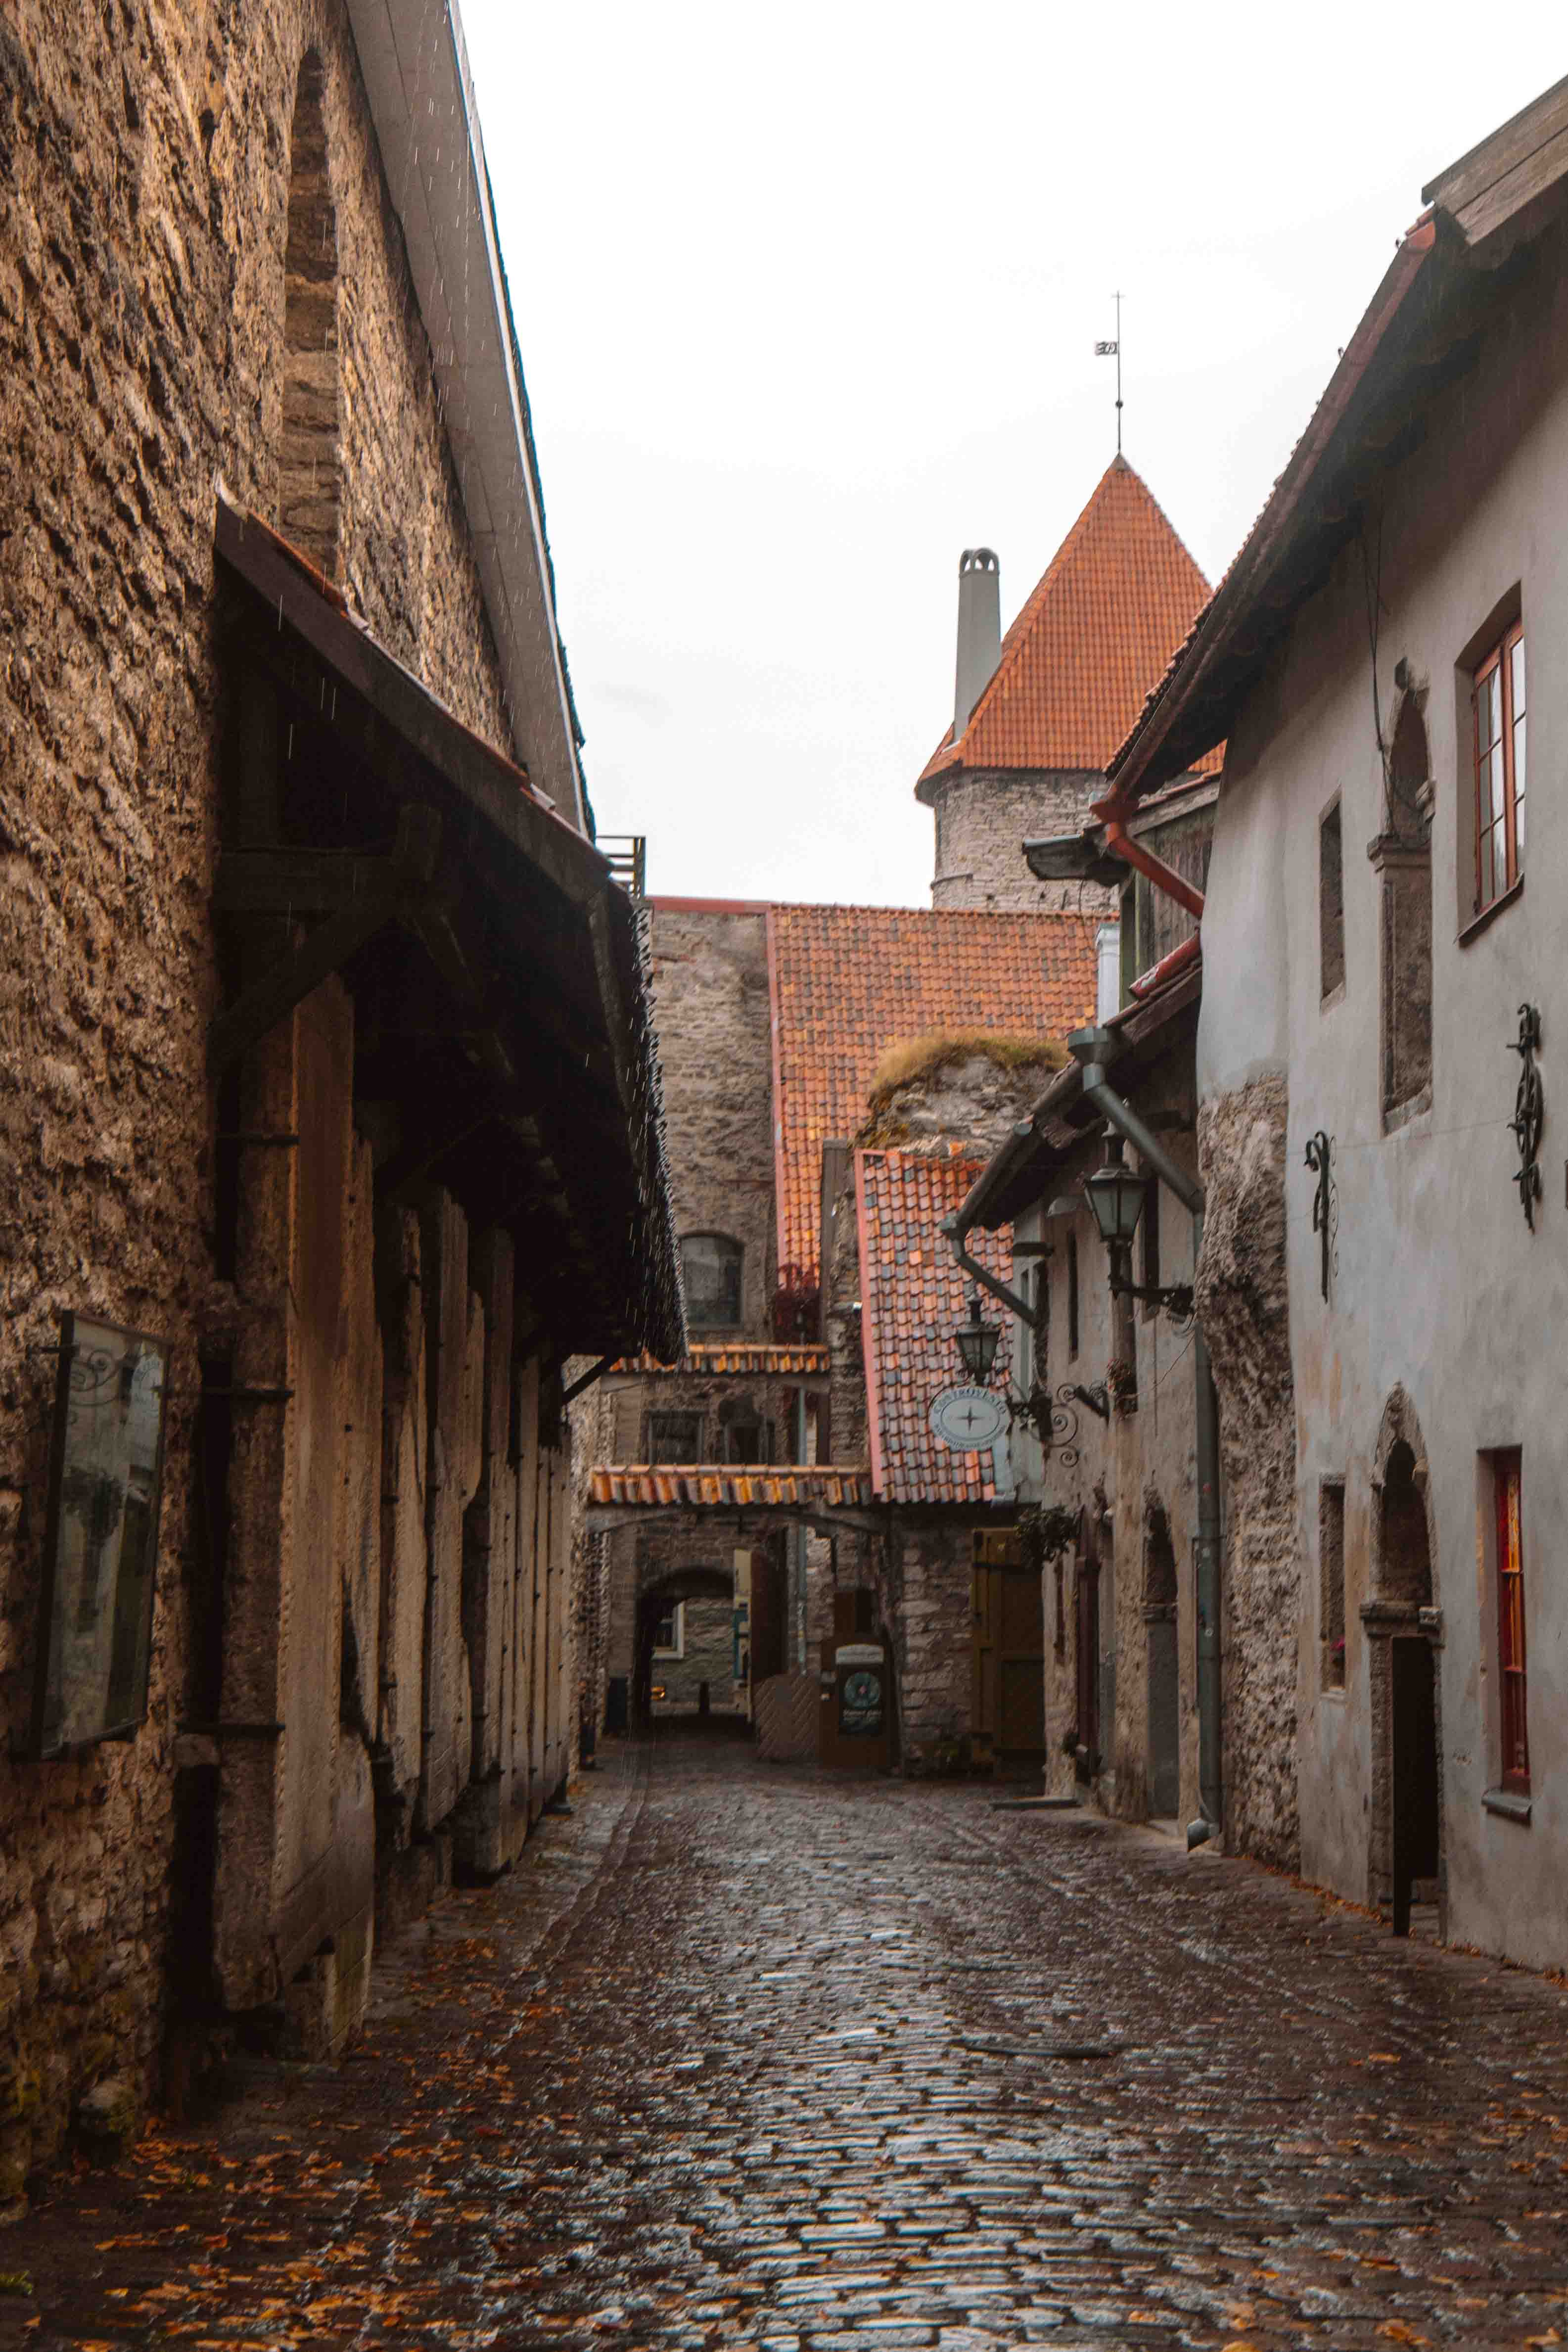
x=1053 y=1419
x=1320 y=1159
x=1529 y=1111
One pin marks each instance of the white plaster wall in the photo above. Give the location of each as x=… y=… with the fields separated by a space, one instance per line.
x=1438 y=1284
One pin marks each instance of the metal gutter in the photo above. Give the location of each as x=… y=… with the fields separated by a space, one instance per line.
x=1088 y=1045
x=417 y=79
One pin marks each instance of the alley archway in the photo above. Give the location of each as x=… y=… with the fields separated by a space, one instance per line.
x=685 y=1644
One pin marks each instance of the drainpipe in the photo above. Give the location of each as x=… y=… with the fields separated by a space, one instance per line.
x=802 y=1535
x=957 y=1228
x=1121 y=843
x=1087 y=1045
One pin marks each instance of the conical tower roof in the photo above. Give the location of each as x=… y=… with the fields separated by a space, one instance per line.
x=1092 y=642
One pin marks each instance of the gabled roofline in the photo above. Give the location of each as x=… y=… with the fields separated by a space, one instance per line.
x=417 y=75
x=1425 y=315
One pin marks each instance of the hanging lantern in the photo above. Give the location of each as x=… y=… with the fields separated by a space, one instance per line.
x=978 y=1342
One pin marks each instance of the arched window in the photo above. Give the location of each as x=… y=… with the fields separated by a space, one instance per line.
x=711 y=1265
x=311 y=467
x=1403 y=857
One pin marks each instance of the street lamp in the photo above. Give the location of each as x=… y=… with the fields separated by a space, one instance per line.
x=977 y=1342
x=1116 y=1198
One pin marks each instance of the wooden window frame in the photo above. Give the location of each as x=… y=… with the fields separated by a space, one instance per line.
x=1513 y=1740
x=1499 y=662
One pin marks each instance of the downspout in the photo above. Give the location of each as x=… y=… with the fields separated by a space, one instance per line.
x=1121 y=843
x=957 y=1228
x=1190 y=1192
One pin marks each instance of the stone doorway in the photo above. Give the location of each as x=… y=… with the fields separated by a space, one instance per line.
x=1163 y=1760
x=1405 y=1863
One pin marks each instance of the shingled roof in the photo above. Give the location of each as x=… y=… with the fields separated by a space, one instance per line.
x=1095 y=638
x=848 y=982
x=913 y=1294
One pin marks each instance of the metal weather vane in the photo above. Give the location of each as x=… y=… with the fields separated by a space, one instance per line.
x=1112 y=351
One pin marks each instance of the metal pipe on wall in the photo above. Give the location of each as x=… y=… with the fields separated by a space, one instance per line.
x=1098 y=1090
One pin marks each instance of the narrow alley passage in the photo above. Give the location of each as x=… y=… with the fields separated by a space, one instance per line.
x=743 y=2056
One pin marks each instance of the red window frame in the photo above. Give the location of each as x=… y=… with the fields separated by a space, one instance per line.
x=1499 y=769
x=1509 y=1491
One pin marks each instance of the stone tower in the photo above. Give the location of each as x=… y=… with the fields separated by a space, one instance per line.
x=1038 y=714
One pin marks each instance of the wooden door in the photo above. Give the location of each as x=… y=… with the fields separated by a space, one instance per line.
x=1008 y=1710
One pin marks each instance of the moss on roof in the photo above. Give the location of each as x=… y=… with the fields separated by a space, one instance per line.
x=920 y=1059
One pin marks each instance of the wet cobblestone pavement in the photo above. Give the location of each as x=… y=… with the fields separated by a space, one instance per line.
x=740 y=2055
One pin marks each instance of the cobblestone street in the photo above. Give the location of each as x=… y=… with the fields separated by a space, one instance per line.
x=740 y=2056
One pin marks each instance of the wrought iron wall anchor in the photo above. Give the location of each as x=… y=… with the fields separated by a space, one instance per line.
x=1529 y=1111
x=1052 y=1419
x=1319 y=1160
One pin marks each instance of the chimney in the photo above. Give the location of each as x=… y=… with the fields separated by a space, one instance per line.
x=979 y=631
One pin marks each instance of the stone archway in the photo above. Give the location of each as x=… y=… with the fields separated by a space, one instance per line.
x=654 y=1602
x=1404 y=1626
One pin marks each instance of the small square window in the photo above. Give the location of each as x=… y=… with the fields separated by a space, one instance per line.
x=1072 y=1295
x=675 y=1437
x=1330 y=903
x=710 y=1264
x=1331 y=1581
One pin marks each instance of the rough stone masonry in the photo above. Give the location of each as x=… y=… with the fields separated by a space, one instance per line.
x=146 y=213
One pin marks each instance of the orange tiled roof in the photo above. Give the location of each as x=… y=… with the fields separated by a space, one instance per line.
x=912 y=1294
x=848 y=982
x=695 y=1485
x=1091 y=643
x=707 y=1356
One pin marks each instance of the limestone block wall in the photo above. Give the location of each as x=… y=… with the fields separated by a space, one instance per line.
x=926 y=1601
x=1243 y=1301
x=145 y=172
x=707 y=1656
x=983 y=819
x=711 y=1005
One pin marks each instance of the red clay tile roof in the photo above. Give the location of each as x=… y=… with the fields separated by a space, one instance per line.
x=707 y=1356
x=1091 y=643
x=848 y=982
x=912 y=1294
x=697 y=1485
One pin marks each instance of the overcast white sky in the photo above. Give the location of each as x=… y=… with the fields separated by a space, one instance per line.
x=807 y=299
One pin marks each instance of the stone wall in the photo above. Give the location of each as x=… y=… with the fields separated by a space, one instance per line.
x=1243 y=1301
x=145 y=210
x=925 y=1594
x=708 y=1655
x=712 y=1008
x=983 y=820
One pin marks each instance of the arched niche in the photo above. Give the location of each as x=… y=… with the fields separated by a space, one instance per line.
x=1403 y=1624
x=1402 y=857
x=310 y=460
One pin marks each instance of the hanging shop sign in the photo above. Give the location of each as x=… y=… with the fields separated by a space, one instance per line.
x=968 y=1419
x=860 y=1693
x=100 y=1547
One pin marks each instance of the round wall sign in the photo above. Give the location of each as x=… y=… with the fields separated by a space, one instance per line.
x=969 y=1420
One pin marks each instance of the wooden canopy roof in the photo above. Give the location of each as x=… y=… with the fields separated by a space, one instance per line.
x=504 y=1044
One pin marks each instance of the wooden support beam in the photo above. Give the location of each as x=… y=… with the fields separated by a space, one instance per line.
x=275 y=993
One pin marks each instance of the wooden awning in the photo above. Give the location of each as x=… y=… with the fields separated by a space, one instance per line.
x=504 y=1045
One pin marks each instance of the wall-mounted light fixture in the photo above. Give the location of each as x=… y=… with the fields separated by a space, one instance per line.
x=1116 y=1194
x=977 y=1342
